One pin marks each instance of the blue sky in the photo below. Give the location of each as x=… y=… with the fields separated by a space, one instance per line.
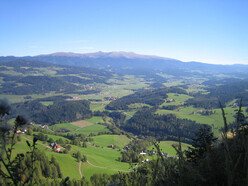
x=211 y=31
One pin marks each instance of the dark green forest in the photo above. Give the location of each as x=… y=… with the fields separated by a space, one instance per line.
x=60 y=111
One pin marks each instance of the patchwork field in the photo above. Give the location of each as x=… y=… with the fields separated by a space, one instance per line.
x=100 y=160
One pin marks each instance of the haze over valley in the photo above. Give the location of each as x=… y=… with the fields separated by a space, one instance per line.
x=123 y=93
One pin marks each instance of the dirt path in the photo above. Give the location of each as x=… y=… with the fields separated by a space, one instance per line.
x=105 y=167
x=79 y=169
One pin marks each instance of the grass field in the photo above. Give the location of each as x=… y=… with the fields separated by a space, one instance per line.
x=86 y=127
x=103 y=157
x=214 y=120
x=95 y=119
x=102 y=160
x=64 y=125
x=179 y=99
x=138 y=105
x=166 y=146
x=12 y=121
x=89 y=170
x=68 y=164
x=92 y=129
x=54 y=137
x=47 y=103
x=97 y=107
x=118 y=140
x=81 y=123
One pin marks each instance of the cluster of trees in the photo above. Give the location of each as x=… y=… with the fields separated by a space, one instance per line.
x=162 y=127
x=170 y=107
x=60 y=111
x=131 y=152
x=152 y=97
x=79 y=156
x=73 y=139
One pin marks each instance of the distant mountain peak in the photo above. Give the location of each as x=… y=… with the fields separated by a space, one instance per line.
x=69 y=54
x=100 y=54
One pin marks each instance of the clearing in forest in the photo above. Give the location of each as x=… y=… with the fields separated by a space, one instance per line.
x=81 y=123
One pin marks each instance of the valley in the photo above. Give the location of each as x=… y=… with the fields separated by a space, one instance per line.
x=103 y=113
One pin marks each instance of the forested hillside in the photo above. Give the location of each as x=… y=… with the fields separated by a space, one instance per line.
x=33 y=77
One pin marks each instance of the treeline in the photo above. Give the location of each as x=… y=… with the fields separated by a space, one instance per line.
x=60 y=111
x=73 y=139
x=152 y=97
x=162 y=127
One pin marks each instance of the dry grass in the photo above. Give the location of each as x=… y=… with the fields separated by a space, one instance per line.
x=81 y=123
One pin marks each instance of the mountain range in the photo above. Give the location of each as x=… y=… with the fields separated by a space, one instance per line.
x=132 y=63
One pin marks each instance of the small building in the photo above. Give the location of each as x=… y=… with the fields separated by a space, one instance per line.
x=55 y=147
x=142 y=153
x=111 y=146
x=18 y=132
x=170 y=100
x=43 y=126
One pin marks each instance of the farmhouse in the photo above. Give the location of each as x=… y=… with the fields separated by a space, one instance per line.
x=170 y=100
x=55 y=147
x=22 y=131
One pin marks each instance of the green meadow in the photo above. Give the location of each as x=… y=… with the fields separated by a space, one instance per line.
x=64 y=125
x=103 y=157
x=166 y=146
x=118 y=140
x=68 y=164
x=97 y=107
x=179 y=99
x=47 y=103
x=95 y=119
x=214 y=120
x=92 y=129
x=54 y=137
x=88 y=170
x=101 y=160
